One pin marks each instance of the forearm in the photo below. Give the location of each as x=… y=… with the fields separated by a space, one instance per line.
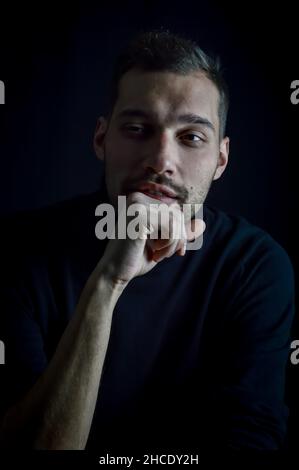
x=57 y=413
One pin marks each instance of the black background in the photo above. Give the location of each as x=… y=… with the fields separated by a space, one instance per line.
x=56 y=60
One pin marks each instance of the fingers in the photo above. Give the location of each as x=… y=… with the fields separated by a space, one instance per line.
x=179 y=231
x=176 y=240
x=158 y=255
x=194 y=229
x=182 y=250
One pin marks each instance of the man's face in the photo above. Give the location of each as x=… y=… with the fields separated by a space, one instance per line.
x=164 y=129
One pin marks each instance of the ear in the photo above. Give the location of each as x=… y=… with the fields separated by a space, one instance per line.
x=223 y=157
x=99 y=137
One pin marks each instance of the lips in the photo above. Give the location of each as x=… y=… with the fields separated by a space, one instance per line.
x=156 y=191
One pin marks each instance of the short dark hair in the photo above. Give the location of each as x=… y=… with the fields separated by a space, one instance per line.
x=165 y=51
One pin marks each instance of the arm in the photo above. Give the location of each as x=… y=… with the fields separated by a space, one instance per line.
x=256 y=349
x=57 y=412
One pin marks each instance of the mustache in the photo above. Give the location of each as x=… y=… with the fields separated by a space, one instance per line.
x=182 y=193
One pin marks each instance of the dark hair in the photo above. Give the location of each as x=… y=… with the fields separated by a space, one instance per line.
x=165 y=51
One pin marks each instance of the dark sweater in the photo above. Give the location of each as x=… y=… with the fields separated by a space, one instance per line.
x=198 y=346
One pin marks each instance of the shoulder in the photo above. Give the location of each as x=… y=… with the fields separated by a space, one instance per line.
x=243 y=241
x=38 y=235
x=255 y=271
x=55 y=217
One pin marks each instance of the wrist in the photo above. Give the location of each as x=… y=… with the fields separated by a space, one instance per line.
x=105 y=276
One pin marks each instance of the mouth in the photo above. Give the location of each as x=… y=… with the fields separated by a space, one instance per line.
x=157 y=191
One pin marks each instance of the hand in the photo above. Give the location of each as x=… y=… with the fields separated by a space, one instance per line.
x=127 y=258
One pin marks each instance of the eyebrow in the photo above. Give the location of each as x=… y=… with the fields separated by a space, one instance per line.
x=188 y=118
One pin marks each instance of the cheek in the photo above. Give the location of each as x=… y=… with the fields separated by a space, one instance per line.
x=198 y=175
x=204 y=164
x=119 y=154
x=194 y=169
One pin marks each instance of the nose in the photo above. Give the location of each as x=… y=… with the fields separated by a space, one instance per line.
x=160 y=154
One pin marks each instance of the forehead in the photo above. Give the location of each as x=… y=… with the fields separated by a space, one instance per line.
x=168 y=94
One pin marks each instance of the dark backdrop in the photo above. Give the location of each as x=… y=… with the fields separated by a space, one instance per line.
x=56 y=60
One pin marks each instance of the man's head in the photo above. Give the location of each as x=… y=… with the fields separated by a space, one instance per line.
x=166 y=123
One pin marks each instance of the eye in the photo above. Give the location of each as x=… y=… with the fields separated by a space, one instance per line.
x=135 y=129
x=191 y=138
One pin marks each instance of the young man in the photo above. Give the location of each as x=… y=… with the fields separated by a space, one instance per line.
x=140 y=343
